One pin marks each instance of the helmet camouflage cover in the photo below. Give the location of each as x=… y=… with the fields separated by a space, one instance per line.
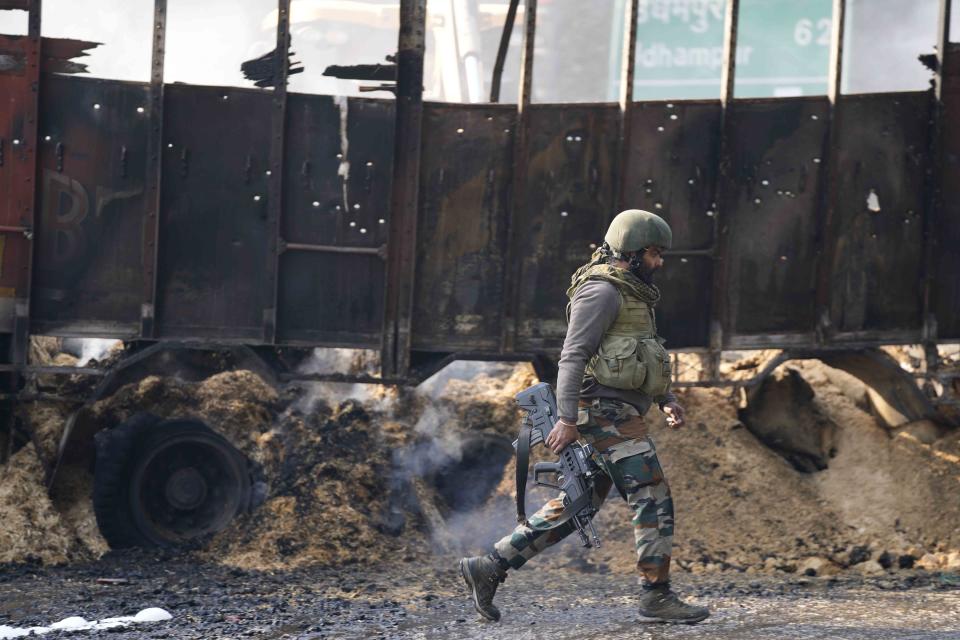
x=634 y=229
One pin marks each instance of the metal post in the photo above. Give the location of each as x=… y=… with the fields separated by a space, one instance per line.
x=154 y=175
x=829 y=180
x=502 y=50
x=405 y=190
x=627 y=71
x=278 y=123
x=512 y=270
x=718 y=312
x=933 y=188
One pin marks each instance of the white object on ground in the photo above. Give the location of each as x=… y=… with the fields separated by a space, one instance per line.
x=76 y=623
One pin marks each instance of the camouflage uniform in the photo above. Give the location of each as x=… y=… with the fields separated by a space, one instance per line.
x=629 y=459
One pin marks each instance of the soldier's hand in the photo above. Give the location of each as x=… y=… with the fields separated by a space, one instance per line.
x=560 y=436
x=675 y=414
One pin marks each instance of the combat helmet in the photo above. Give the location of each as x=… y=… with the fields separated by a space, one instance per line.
x=634 y=229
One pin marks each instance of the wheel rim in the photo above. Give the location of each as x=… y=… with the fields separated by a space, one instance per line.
x=187 y=486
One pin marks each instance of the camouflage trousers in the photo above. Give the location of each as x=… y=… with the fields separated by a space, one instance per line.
x=629 y=460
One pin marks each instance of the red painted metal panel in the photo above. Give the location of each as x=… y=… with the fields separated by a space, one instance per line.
x=18 y=162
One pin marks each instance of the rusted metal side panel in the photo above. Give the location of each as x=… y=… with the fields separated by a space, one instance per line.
x=946 y=272
x=877 y=259
x=92 y=180
x=339 y=159
x=19 y=110
x=569 y=189
x=464 y=197
x=213 y=225
x=671 y=170
x=770 y=208
x=672 y=165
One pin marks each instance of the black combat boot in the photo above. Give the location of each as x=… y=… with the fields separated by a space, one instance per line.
x=483 y=574
x=660 y=604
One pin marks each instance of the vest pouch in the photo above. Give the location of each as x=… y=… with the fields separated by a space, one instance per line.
x=657 y=362
x=618 y=363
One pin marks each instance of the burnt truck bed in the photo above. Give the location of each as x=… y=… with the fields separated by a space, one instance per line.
x=212 y=248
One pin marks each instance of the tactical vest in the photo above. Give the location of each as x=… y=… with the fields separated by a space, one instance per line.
x=631 y=355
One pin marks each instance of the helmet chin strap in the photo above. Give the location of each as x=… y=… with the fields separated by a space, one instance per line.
x=635 y=262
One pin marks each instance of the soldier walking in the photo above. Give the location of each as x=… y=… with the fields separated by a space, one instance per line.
x=612 y=368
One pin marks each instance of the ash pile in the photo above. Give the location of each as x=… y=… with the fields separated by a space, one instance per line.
x=364 y=475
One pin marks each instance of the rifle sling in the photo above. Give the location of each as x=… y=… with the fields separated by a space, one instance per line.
x=523 y=463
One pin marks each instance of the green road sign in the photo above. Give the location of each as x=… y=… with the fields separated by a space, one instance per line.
x=783 y=48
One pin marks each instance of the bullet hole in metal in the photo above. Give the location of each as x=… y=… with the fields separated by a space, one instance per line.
x=47 y=138
x=225 y=97
x=363 y=230
x=16 y=142
x=382 y=221
x=779 y=192
x=564 y=214
x=96 y=105
x=256 y=198
x=765 y=182
x=353 y=224
x=648 y=191
x=756 y=201
x=873 y=201
x=690 y=181
x=593 y=245
x=569 y=138
x=489 y=118
x=369 y=163
x=816 y=161
x=460 y=130
x=684 y=260
x=659 y=128
x=169 y=145
x=906 y=221
x=577 y=138
x=783 y=258
x=267 y=172
x=669 y=105
x=658 y=205
x=316 y=204
x=140 y=109
x=709 y=214
x=356 y=206
x=339 y=156
x=873 y=235
x=674 y=116
x=337 y=207
x=506 y=130
x=648 y=181
x=814 y=117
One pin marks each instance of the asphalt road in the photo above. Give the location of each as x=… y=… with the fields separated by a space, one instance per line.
x=409 y=601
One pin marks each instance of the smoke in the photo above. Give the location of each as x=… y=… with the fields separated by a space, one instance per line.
x=374 y=397
x=95 y=349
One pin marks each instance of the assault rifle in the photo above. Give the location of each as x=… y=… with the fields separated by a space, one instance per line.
x=575 y=470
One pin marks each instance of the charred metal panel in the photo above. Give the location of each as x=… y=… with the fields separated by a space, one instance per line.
x=672 y=165
x=877 y=259
x=946 y=274
x=213 y=217
x=339 y=155
x=92 y=173
x=464 y=197
x=331 y=299
x=569 y=192
x=18 y=168
x=336 y=191
x=770 y=209
x=683 y=314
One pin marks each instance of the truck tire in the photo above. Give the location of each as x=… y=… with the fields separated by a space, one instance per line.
x=166 y=483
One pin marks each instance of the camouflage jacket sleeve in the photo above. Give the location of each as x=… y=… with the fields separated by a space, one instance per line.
x=593 y=309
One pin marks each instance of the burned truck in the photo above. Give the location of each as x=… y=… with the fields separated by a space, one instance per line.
x=218 y=227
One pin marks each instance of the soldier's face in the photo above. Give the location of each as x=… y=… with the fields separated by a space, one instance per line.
x=650 y=261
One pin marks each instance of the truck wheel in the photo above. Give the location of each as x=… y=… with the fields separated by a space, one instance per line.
x=166 y=482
